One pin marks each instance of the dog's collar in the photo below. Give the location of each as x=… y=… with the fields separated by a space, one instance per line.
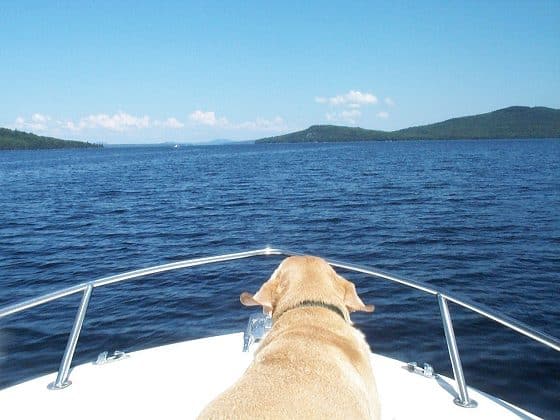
x=316 y=303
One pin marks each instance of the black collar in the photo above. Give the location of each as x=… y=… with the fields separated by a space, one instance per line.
x=318 y=303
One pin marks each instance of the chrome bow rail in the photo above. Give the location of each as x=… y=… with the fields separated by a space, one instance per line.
x=86 y=289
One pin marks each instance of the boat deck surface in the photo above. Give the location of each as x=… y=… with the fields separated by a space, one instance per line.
x=178 y=380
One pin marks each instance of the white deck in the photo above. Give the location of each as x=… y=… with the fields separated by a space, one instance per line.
x=178 y=380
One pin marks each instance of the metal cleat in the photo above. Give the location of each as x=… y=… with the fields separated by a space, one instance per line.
x=104 y=358
x=257 y=327
x=426 y=371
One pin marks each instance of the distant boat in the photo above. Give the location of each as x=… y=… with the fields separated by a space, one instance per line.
x=176 y=146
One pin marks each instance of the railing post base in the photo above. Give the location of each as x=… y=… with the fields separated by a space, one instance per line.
x=53 y=386
x=469 y=404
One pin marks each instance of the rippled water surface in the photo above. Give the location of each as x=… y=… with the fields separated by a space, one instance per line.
x=481 y=219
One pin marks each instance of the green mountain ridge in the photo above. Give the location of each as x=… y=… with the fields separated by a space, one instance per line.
x=17 y=140
x=516 y=122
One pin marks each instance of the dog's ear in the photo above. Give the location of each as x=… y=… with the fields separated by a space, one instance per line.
x=351 y=298
x=263 y=298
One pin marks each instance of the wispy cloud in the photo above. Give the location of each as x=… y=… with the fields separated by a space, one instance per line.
x=118 y=122
x=389 y=101
x=383 y=114
x=38 y=122
x=350 y=116
x=263 y=124
x=171 y=122
x=40 y=118
x=353 y=99
x=209 y=118
x=121 y=122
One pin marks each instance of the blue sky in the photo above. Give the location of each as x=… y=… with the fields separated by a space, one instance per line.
x=134 y=72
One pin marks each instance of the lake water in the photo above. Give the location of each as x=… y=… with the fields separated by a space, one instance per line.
x=479 y=218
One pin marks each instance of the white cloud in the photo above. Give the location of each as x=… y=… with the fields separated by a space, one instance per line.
x=116 y=122
x=382 y=114
x=389 y=101
x=39 y=122
x=39 y=118
x=349 y=105
x=171 y=122
x=207 y=118
x=120 y=121
x=71 y=126
x=353 y=98
x=359 y=98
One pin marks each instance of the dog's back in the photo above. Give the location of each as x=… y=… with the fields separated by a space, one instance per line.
x=312 y=364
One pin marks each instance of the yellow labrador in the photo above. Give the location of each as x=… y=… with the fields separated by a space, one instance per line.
x=312 y=363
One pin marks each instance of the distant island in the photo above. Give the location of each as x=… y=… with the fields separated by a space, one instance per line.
x=516 y=122
x=18 y=140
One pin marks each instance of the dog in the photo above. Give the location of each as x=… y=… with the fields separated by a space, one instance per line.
x=313 y=363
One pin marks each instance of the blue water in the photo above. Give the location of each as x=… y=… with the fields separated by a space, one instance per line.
x=479 y=218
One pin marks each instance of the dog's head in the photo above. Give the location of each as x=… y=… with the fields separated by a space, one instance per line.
x=305 y=278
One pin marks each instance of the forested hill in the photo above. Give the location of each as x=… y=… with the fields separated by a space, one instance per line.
x=14 y=140
x=516 y=122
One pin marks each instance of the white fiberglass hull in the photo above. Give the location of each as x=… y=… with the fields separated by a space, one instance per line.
x=178 y=380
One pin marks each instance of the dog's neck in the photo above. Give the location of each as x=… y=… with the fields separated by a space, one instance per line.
x=315 y=303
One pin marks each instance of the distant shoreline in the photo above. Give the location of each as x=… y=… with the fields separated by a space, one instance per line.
x=21 y=140
x=515 y=122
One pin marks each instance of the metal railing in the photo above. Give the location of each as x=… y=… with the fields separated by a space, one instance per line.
x=86 y=289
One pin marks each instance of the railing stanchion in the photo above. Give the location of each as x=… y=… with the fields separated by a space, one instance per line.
x=64 y=369
x=463 y=399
